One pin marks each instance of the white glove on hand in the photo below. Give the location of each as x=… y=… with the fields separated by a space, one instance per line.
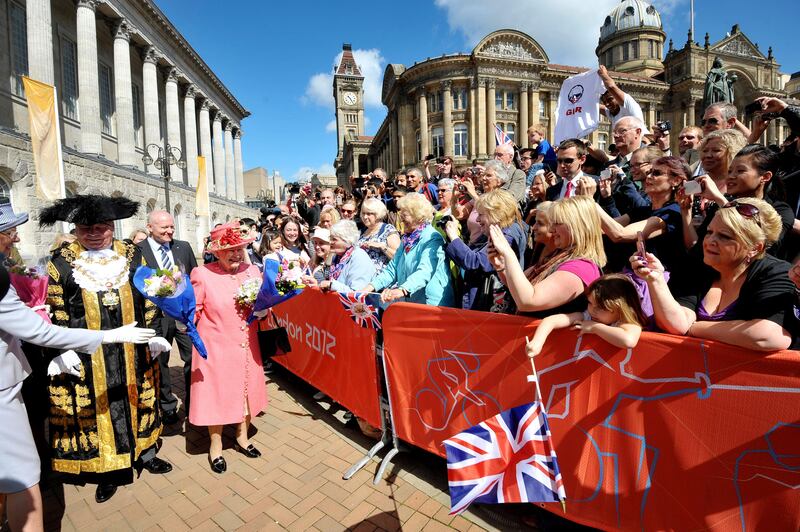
x=260 y=313
x=158 y=345
x=128 y=334
x=67 y=362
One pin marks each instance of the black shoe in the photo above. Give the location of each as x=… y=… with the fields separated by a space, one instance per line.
x=104 y=492
x=250 y=452
x=157 y=466
x=170 y=418
x=218 y=465
x=269 y=368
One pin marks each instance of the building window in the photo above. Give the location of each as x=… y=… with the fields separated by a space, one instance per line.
x=498 y=100
x=542 y=107
x=5 y=192
x=19 y=46
x=106 y=99
x=459 y=99
x=137 y=114
x=460 y=136
x=435 y=102
x=635 y=49
x=652 y=48
x=505 y=100
x=510 y=100
x=176 y=216
x=625 y=52
x=602 y=141
x=419 y=146
x=437 y=141
x=510 y=130
x=69 y=78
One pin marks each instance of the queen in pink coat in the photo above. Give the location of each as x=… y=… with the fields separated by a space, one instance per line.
x=228 y=387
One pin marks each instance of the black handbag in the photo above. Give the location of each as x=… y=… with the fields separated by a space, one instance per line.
x=273 y=342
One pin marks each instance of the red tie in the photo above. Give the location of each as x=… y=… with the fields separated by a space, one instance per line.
x=570 y=186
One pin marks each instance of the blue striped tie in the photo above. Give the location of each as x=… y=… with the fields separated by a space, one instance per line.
x=165 y=262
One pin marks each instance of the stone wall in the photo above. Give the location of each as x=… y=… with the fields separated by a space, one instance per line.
x=85 y=174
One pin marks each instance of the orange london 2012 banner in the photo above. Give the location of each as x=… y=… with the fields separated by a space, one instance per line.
x=674 y=434
x=331 y=352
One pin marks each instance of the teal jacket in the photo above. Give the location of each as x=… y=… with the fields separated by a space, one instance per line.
x=422 y=271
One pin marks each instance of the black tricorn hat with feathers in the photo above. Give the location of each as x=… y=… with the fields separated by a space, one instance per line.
x=88 y=209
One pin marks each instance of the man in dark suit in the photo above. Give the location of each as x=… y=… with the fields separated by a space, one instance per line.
x=573 y=182
x=160 y=250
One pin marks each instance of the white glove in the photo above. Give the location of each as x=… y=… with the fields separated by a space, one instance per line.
x=67 y=362
x=128 y=334
x=157 y=345
x=260 y=313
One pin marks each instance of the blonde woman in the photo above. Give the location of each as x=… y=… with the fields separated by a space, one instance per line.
x=328 y=217
x=559 y=285
x=718 y=149
x=418 y=272
x=743 y=296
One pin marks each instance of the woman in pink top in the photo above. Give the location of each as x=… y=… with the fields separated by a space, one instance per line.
x=227 y=387
x=557 y=286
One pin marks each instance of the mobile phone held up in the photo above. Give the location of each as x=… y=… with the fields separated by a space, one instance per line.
x=640 y=249
x=692 y=187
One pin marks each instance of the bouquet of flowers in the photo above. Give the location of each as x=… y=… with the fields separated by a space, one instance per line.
x=31 y=286
x=281 y=282
x=247 y=292
x=170 y=291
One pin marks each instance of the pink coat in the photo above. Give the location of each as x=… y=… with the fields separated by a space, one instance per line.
x=233 y=370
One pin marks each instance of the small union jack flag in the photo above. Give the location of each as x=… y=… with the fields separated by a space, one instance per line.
x=501 y=137
x=362 y=312
x=507 y=458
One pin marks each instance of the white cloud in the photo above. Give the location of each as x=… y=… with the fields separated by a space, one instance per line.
x=568 y=30
x=305 y=172
x=319 y=90
x=330 y=127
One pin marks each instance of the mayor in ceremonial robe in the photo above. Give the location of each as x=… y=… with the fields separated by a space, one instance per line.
x=106 y=421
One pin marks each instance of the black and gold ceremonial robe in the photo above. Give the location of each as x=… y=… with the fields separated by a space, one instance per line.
x=101 y=421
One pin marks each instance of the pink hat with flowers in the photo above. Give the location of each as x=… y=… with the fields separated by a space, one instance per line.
x=228 y=236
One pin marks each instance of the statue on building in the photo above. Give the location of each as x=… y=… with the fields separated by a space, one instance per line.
x=719 y=84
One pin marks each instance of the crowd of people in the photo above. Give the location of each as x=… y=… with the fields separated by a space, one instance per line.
x=697 y=243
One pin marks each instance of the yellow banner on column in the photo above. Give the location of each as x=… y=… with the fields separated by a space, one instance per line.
x=201 y=207
x=45 y=138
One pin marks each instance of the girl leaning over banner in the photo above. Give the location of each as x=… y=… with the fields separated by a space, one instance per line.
x=614 y=314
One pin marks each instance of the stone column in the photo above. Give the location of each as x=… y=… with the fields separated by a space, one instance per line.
x=152 y=129
x=423 y=122
x=490 y=117
x=551 y=113
x=40 y=40
x=173 y=119
x=123 y=93
x=88 y=78
x=524 y=122
x=481 y=103
x=230 y=167
x=238 y=165
x=190 y=135
x=533 y=108
x=395 y=142
x=205 y=144
x=651 y=115
x=219 y=155
x=401 y=132
x=447 y=117
x=473 y=114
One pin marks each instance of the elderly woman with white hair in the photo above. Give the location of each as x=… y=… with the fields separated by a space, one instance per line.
x=418 y=272
x=351 y=268
x=380 y=240
x=492 y=177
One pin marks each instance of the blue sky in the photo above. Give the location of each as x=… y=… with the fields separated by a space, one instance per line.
x=277 y=57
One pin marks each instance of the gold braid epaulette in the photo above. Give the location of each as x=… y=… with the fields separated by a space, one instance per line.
x=54 y=274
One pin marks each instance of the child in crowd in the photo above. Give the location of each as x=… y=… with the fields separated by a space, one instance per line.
x=614 y=314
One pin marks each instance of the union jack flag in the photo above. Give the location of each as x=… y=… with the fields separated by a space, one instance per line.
x=507 y=458
x=362 y=312
x=500 y=136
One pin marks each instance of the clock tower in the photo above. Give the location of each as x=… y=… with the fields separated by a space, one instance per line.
x=348 y=93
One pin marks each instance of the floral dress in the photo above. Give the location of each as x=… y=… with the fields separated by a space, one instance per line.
x=377 y=256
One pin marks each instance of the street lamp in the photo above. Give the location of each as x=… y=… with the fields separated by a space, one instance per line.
x=165 y=158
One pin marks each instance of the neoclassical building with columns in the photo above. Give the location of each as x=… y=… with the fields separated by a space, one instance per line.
x=126 y=79
x=448 y=105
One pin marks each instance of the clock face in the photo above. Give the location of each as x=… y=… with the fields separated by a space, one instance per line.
x=350 y=98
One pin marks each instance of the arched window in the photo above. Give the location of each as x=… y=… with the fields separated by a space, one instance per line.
x=5 y=192
x=177 y=216
x=151 y=206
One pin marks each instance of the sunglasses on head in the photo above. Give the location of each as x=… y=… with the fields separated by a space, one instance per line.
x=745 y=209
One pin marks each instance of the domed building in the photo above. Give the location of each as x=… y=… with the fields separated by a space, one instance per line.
x=448 y=105
x=632 y=39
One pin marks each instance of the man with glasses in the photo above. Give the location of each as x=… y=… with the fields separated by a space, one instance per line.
x=515 y=185
x=571 y=156
x=161 y=251
x=8 y=229
x=627 y=133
